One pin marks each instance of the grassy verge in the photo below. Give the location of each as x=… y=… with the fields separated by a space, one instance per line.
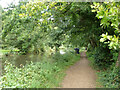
x=91 y=59
x=45 y=74
x=2 y=51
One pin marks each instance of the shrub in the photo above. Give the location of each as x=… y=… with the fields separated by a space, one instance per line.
x=103 y=58
x=47 y=73
x=109 y=78
x=104 y=61
x=33 y=75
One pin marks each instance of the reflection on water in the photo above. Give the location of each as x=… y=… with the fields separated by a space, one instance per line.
x=17 y=60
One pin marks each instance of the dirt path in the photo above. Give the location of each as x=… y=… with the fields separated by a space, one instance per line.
x=80 y=75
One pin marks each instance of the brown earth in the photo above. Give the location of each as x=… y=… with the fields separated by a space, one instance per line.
x=80 y=75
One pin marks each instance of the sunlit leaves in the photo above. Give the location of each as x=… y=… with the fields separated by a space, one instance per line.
x=22 y=15
x=108 y=13
x=55 y=27
x=23 y=7
x=112 y=41
x=26 y=24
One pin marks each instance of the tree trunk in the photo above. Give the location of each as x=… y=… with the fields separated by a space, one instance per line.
x=119 y=59
x=119 y=69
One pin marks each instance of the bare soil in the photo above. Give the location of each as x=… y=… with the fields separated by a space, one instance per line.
x=80 y=75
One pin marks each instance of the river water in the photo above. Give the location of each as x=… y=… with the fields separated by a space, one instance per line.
x=17 y=60
x=22 y=59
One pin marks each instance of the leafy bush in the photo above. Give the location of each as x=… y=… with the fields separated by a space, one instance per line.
x=32 y=75
x=45 y=74
x=103 y=58
x=109 y=78
x=104 y=61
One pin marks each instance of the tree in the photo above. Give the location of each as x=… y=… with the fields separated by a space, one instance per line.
x=108 y=13
x=24 y=30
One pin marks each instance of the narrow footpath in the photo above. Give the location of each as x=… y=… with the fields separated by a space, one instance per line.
x=80 y=75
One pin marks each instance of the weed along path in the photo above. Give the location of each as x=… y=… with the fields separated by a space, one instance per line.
x=80 y=75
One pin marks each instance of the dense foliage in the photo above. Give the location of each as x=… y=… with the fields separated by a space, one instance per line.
x=42 y=27
x=25 y=25
x=106 y=56
x=47 y=73
x=109 y=78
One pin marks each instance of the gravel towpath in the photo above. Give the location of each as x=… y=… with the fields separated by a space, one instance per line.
x=80 y=75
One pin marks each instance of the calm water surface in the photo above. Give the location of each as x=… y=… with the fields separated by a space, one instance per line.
x=17 y=60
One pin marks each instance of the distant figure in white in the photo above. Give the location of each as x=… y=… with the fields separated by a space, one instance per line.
x=62 y=52
x=62 y=48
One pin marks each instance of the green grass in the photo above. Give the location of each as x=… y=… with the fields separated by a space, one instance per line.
x=48 y=73
x=91 y=59
x=2 y=51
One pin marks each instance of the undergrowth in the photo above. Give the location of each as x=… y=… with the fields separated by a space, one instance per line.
x=109 y=78
x=45 y=74
x=107 y=75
